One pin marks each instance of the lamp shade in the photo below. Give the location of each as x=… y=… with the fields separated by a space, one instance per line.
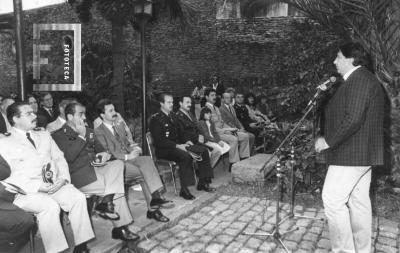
x=143 y=7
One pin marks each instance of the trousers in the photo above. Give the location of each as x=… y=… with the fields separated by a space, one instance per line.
x=47 y=210
x=348 y=208
x=110 y=180
x=240 y=145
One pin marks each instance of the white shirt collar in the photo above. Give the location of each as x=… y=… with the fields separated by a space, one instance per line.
x=186 y=113
x=63 y=121
x=345 y=76
x=110 y=127
x=21 y=132
x=209 y=104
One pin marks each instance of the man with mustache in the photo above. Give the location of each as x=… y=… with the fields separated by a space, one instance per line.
x=113 y=137
x=104 y=177
x=39 y=168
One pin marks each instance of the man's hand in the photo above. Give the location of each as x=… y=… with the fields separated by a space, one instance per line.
x=80 y=127
x=242 y=130
x=221 y=144
x=253 y=125
x=138 y=149
x=45 y=187
x=133 y=154
x=320 y=144
x=182 y=146
x=201 y=138
x=57 y=185
x=104 y=156
x=189 y=143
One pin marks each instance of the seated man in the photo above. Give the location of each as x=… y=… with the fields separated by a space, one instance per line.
x=114 y=139
x=61 y=119
x=190 y=134
x=164 y=128
x=238 y=141
x=15 y=223
x=229 y=116
x=104 y=178
x=47 y=112
x=39 y=168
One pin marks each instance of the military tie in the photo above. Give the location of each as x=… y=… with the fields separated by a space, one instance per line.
x=28 y=136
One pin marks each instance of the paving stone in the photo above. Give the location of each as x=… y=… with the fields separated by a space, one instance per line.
x=221 y=208
x=224 y=224
x=245 y=218
x=196 y=216
x=177 y=249
x=246 y=250
x=388 y=225
x=301 y=251
x=224 y=198
x=204 y=219
x=227 y=213
x=233 y=247
x=162 y=235
x=309 y=236
x=195 y=226
x=290 y=245
x=232 y=231
x=207 y=209
x=214 y=248
x=176 y=229
x=211 y=225
x=147 y=245
x=242 y=238
x=196 y=247
x=170 y=242
x=324 y=244
x=253 y=243
x=298 y=208
x=296 y=236
x=385 y=248
x=310 y=214
x=258 y=208
x=206 y=238
x=217 y=203
x=387 y=234
x=321 y=251
x=303 y=222
x=238 y=225
x=267 y=246
x=387 y=241
x=160 y=249
x=307 y=245
x=316 y=230
x=200 y=232
x=224 y=239
x=183 y=234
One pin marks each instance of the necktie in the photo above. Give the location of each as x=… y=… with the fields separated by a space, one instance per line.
x=28 y=136
x=50 y=112
x=230 y=109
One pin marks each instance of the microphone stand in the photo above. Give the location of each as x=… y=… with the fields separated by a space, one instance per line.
x=276 y=233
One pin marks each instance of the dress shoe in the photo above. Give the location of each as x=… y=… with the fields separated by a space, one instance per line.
x=106 y=211
x=157 y=215
x=186 y=195
x=205 y=187
x=81 y=248
x=161 y=203
x=124 y=234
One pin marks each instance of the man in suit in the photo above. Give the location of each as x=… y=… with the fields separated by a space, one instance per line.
x=165 y=130
x=353 y=141
x=238 y=142
x=230 y=118
x=39 y=168
x=47 y=112
x=4 y=124
x=61 y=119
x=105 y=179
x=15 y=223
x=113 y=137
x=192 y=137
x=219 y=89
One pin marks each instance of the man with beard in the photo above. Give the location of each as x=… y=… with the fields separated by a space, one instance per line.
x=191 y=136
x=353 y=141
x=114 y=138
x=169 y=144
x=39 y=168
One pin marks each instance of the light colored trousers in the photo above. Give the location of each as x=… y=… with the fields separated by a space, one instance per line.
x=240 y=145
x=348 y=208
x=47 y=210
x=217 y=152
x=144 y=166
x=110 y=180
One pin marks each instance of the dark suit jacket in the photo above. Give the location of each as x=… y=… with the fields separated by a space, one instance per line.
x=205 y=132
x=117 y=147
x=3 y=126
x=44 y=118
x=189 y=127
x=354 y=122
x=78 y=153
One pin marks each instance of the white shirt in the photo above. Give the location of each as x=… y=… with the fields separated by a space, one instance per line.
x=110 y=127
x=209 y=128
x=23 y=134
x=345 y=76
x=62 y=120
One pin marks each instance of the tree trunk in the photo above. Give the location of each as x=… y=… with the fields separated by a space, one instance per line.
x=118 y=55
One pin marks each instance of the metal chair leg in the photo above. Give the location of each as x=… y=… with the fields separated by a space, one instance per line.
x=31 y=242
x=173 y=179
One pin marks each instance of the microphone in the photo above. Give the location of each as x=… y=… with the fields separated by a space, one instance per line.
x=322 y=87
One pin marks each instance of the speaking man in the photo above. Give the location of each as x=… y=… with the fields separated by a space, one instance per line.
x=353 y=140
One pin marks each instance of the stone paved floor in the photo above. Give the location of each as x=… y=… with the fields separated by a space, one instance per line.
x=219 y=227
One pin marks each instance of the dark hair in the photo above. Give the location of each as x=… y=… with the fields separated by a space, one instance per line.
x=204 y=111
x=71 y=108
x=100 y=106
x=208 y=91
x=355 y=50
x=161 y=97
x=14 y=111
x=43 y=94
x=180 y=99
x=246 y=98
x=63 y=103
x=30 y=96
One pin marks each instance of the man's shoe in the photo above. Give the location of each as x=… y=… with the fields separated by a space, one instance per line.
x=157 y=215
x=186 y=195
x=124 y=234
x=106 y=211
x=81 y=248
x=161 y=203
x=205 y=187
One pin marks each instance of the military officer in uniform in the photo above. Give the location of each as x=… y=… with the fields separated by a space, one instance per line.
x=164 y=128
x=38 y=167
x=191 y=136
x=100 y=177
